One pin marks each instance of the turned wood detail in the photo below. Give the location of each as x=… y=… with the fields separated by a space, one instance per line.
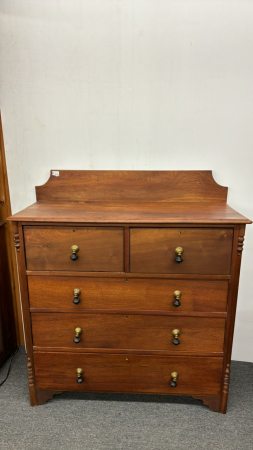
x=30 y=372
x=226 y=379
x=17 y=241
x=240 y=245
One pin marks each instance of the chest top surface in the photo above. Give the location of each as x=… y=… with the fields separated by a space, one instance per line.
x=131 y=197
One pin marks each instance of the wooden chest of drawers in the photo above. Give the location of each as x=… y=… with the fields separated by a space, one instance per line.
x=129 y=283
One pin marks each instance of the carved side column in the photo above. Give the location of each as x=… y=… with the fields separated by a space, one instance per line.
x=240 y=245
x=238 y=242
x=19 y=245
x=30 y=372
x=16 y=241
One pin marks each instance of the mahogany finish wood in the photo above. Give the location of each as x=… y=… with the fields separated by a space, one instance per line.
x=44 y=396
x=68 y=273
x=127 y=311
x=26 y=314
x=127 y=293
x=147 y=332
x=128 y=373
x=131 y=351
x=206 y=251
x=127 y=225
x=131 y=213
x=131 y=186
x=100 y=248
x=211 y=401
x=232 y=301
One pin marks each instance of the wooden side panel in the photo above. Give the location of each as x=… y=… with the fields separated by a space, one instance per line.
x=7 y=323
x=120 y=331
x=128 y=373
x=18 y=233
x=232 y=301
x=7 y=235
x=101 y=249
x=131 y=186
x=127 y=293
x=206 y=251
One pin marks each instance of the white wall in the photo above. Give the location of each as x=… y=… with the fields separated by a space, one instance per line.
x=132 y=84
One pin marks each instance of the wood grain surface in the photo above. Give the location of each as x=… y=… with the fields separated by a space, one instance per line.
x=100 y=248
x=128 y=373
x=130 y=213
x=206 y=251
x=137 y=186
x=127 y=293
x=133 y=331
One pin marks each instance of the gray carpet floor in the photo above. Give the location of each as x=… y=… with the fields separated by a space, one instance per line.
x=118 y=422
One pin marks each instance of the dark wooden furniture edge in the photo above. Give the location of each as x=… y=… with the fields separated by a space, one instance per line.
x=19 y=244
x=5 y=211
x=44 y=396
x=211 y=401
x=231 y=311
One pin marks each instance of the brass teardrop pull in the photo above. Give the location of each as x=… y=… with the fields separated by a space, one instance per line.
x=174 y=376
x=176 y=333
x=76 y=293
x=78 y=331
x=179 y=251
x=74 y=249
x=177 y=295
x=79 y=373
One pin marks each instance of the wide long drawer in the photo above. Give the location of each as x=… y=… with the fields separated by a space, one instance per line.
x=127 y=293
x=205 y=250
x=49 y=248
x=128 y=373
x=134 y=331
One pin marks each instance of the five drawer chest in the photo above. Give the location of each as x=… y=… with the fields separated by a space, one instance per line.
x=129 y=284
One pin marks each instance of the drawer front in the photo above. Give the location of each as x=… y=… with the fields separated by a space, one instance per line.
x=49 y=248
x=128 y=373
x=206 y=251
x=129 y=294
x=135 y=331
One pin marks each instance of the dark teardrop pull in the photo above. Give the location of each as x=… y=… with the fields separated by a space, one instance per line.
x=79 y=373
x=179 y=251
x=174 y=376
x=78 y=331
x=177 y=295
x=176 y=333
x=76 y=293
x=74 y=249
x=176 y=303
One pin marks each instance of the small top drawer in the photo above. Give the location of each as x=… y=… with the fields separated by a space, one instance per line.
x=49 y=248
x=205 y=250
